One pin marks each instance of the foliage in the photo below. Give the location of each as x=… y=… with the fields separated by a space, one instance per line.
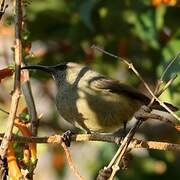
x=148 y=35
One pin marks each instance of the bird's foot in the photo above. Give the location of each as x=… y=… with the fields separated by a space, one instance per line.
x=121 y=133
x=67 y=137
x=143 y=113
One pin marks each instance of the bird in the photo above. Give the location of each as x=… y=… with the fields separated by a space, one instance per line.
x=92 y=101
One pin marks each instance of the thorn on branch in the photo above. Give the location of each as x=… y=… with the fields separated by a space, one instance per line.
x=130 y=66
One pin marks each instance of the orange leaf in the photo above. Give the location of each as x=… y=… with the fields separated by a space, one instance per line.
x=6 y=72
x=13 y=169
x=22 y=127
x=24 y=110
x=170 y=2
x=27 y=48
x=58 y=160
x=26 y=155
x=26 y=132
x=156 y=2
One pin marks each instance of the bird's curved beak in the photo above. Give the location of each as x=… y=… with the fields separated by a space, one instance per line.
x=49 y=69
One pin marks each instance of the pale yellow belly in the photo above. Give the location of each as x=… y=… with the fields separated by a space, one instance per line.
x=98 y=112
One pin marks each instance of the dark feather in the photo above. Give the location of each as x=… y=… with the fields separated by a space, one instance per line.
x=114 y=86
x=101 y=82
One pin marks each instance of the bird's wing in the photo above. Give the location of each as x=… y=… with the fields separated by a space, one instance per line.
x=103 y=83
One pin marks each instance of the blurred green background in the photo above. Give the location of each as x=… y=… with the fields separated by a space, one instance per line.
x=146 y=33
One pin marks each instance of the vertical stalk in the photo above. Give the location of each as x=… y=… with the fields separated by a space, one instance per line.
x=17 y=82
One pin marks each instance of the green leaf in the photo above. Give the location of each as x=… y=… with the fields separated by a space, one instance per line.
x=169 y=52
x=86 y=9
x=145 y=27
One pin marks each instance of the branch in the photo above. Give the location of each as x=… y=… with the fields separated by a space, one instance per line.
x=169 y=65
x=167 y=85
x=135 y=143
x=70 y=161
x=16 y=91
x=26 y=88
x=58 y=140
x=4 y=111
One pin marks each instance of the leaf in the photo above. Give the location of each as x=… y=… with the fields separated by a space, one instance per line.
x=168 y=53
x=58 y=160
x=26 y=132
x=6 y=72
x=86 y=9
x=13 y=169
x=26 y=155
x=145 y=26
x=157 y=3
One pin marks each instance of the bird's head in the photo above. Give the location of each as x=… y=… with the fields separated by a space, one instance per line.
x=64 y=72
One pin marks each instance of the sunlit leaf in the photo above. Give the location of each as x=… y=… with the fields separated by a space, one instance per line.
x=13 y=169
x=26 y=132
x=145 y=27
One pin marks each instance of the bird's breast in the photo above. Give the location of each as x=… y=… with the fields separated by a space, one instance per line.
x=95 y=111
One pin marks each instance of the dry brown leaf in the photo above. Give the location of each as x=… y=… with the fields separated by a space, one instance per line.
x=6 y=72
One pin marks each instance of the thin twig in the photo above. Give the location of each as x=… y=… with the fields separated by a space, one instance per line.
x=16 y=92
x=57 y=139
x=169 y=65
x=135 y=143
x=26 y=88
x=70 y=161
x=4 y=111
x=167 y=85
x=165 y=107
x=163 y=119
x=125 y=143
x=157 y=90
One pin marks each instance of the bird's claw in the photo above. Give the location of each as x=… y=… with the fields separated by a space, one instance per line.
x=67 y=137
x=142 y=113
